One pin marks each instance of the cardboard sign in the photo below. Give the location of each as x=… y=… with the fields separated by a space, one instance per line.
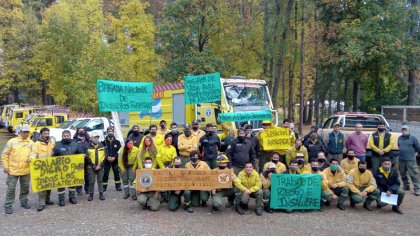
x=245 y=116
x=202 y=88
x=57 y=172
x=276 y=139
x=295 y=192
x=124 y=96
x=182 y=179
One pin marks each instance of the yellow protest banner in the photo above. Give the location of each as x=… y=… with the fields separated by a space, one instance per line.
x=57 y=172
x=276 y=139
x=182 y=179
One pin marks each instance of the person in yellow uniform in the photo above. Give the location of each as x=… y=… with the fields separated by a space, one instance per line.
x=157 y=139
x=265 y=155
x=350 y=162
x=196 y=131
x=127 y=163
x=362 y=185
x=294 y=150
x=15 y=163
x=303 y=166
x=95 y=159
x=337 y=183
x=194 y=197
x=166 y=153
x=292 y=137
x=275 y=159
x=249 y=185
x=326 y=193
x=149 y=200
x=163 y=130
x=174 y=199
x=186 y=144
x=265 y=177
x=148 y=149
x=43 y=148
x=293 y=168
x=381 y=143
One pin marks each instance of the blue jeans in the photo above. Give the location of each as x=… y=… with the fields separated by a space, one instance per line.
x=361 y=158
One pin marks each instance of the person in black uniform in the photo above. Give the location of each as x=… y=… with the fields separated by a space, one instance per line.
x=111 y=160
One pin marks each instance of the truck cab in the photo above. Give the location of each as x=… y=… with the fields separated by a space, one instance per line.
x=3 y=114
x=17 y=117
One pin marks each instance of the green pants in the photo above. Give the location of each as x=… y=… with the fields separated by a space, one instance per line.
x=266 y=197
x=62 y=192
x=264 y=158
x=11 y=189
x=325 y=196
x=149 y=199
x=212 y=164
x=376 y=161
x=184 y=160
x=413 y=170
x=99 y=175
x=174 y=201
x=342 y=193
x=194 y=197
x=128 y=177
x=218 y=197
x=338 y=157
x=244 y=198
x=400 y=194
x=357 y=198
x=43 y=196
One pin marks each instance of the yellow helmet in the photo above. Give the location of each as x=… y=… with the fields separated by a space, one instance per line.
x=222 y=158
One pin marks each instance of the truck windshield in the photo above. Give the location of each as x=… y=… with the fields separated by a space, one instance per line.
x=66 y=124
x=80 y=123
x=246 y=94
x=366 y=121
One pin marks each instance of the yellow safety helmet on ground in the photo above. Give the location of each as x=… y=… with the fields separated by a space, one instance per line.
x=222 y=158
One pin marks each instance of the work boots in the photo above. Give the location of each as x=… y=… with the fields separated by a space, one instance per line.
x=118 y=187
x=239 y=209
x=133 y=194
x=101 y=196
x=126 y=193
x=72 y=200
x=90 y=198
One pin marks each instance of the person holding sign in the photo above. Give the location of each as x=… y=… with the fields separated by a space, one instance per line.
x=147 y=149
x=240 y=151
x=362 y=185
x=15 y=162
x=174 y=201
x=193 y=198
x=209 y=146
x=389 y=183
x=186 y=144
x=249 y=185
x=66 y=147
x=293 y=168
x=265 y=151
x=95 y=158
x=325 y=191
x=275 y=159
x=167 y=152
x=337 y=183
x=265 y=177
x=127 y=163
x=43 y=148
x=149 y=200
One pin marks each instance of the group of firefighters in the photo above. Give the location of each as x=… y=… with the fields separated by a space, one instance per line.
x=251 y=163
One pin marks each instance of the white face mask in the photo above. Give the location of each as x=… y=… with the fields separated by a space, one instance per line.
x=148 y=166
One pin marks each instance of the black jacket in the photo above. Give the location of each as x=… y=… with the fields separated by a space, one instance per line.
x=255 y=145
x=241 y=152
x=136 y=139
x=62 y=149
x=210 y=145
x=313 y=149
x=391 y=184
x=112 y=147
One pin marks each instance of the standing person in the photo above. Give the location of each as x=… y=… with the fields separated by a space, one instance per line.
x=209 y=146
x=294 y=150
x=240 y=151
x=349 y=163
x=389 y=183
x=163 y=130
x=357 y=142
x=335 y=143
x=196 y=131
x=127 y=163
x=337 y=183
x=265 y=151
x=135 y=135
x=43 y=148
x=149 y=200
x=66 y=147
x=95 y=159
x=166 y=153
x=147 y=149
x=275 y=159
x=254 y=141
x=194 y=197
x=249 y=185
x=15 y=161
x=265 y=177
x=283 y=153
x=112 y=146
x=362 y=184
x=175 y=136
x=381 y=143
x=174 y=201
x=186 y=144
x=314 y=145
x=82 y=140
x=409 y=148
x=157 y=139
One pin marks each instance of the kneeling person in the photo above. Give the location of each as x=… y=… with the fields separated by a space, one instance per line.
x=325 y=191
x=149 y=200
x=219 y=194
x=174 y=200
x=265 y=177
x=337 y=183
x=249 y=185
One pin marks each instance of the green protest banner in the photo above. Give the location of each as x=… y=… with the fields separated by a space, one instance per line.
x=295 y=192
x=124 y=96
x=245 y=116
x=202 y=88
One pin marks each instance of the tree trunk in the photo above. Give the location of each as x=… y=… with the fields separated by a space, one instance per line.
x=302 y=68
x=266 y=39
x=310 y=111
x=279 y=63
x=44 y=92
x=356 y=96
x=346 y=97
x=283 y=95
x=291 y=110
x=315 y=91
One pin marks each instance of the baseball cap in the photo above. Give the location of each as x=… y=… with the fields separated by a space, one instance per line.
x=187 y=126
x=271 y=165
x=25 y=128
x=196 y=122
x=300 y=155
x=405 y=127
x=95 y=134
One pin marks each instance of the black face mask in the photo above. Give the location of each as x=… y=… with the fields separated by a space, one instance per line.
x=210 y=133
x=222 y=167
x=136 y=133
x=194 y=159
x=187 y=133
x=241 y=139
x=66 y=141
x=381 y=130
x=321 y=160
x=110 y=136
x=153 y=132
x=362 y=170
x=195 y=128
x=300 y=162
x=275 y=161
x=177 y=166
x=315 y=169
x=162 y=126
x=351 y=157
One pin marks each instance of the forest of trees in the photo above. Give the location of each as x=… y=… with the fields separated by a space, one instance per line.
x=330 y=55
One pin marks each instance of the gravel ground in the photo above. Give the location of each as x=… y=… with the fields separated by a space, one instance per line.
x=116 y=216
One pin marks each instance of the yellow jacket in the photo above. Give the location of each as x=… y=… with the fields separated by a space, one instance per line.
x=357 y=180
x=292 y=153
x=132 y=158
x=202 y=165
x=91 y=151
x=348 y=165
x=324 y=183
x=41 y=149
x=198 y=134
x=158 y=141
x=187 y=144
x=339 y=178
x=306 y=169
x=141 y=156
x=252 y=182
x=15 y=156
x=166 y=154
x=266 y=182
x=280 y=167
